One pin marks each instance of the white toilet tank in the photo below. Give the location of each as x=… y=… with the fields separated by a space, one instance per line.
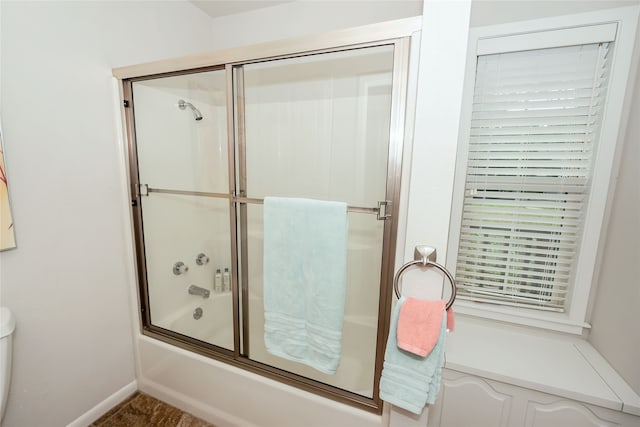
x=7 y=326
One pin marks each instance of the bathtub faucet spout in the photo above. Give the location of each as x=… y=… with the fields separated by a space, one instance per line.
x=197 y=290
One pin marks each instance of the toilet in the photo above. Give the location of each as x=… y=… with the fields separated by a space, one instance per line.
x=7 y=326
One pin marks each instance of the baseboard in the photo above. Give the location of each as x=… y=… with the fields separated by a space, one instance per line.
x=103 y=407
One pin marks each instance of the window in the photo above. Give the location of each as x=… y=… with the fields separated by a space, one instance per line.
x=537 y=145
x=534 y=129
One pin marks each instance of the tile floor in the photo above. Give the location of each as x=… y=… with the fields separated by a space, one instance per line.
x=142 y=410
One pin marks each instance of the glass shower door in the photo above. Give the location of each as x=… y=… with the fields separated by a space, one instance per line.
x=182 y=159
x=318 y=127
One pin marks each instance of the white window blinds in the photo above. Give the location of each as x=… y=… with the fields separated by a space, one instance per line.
x=534 y=128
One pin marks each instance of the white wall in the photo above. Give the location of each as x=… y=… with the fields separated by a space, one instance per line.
x=615 y=331
x=490 y=12
x=67 y=282
x=305 y=17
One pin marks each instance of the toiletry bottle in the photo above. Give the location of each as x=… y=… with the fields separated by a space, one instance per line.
x=226 y=280
x=217 y=282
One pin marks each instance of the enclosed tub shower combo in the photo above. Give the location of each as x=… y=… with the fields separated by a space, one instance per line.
x=210 y=137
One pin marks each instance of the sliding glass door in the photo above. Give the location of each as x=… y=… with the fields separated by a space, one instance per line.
x=182 y=161
x=317 y=127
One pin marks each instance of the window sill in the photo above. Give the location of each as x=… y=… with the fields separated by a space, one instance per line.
x=558 y=322
x=544 y=361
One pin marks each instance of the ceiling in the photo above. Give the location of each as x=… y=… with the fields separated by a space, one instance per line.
x=216 y=8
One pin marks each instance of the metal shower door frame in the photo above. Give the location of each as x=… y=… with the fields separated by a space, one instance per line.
x=402 y=37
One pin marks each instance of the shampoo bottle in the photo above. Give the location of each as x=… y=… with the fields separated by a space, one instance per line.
x=226 y=280
x=217 y=282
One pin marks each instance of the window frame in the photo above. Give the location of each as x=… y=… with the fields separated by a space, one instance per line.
x=548 y=33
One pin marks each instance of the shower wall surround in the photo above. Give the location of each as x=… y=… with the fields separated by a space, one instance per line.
x=211 y=136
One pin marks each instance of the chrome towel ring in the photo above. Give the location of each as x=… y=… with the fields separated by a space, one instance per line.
x=425 y=262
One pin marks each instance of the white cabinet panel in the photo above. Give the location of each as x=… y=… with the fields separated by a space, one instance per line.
x=563 y=413
x=470 y=401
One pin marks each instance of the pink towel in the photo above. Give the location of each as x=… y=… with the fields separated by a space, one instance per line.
x=419 y=324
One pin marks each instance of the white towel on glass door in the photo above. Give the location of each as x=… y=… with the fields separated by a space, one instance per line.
x=305 y=264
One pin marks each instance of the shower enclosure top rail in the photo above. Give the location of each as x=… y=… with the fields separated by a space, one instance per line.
x=404 y=27
x=145 y=190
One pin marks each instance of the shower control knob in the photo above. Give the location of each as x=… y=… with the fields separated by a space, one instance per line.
x=202 y=259
x=179 y=268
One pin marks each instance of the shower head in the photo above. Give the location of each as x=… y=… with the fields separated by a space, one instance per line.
x=182 y=104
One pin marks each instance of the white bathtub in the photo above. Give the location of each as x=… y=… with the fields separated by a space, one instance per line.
x=228 y=396
x=215 y=326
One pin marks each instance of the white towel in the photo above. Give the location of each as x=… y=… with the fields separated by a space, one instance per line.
x=305 y=269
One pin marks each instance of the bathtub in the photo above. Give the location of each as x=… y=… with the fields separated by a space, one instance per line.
x=210 y=320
